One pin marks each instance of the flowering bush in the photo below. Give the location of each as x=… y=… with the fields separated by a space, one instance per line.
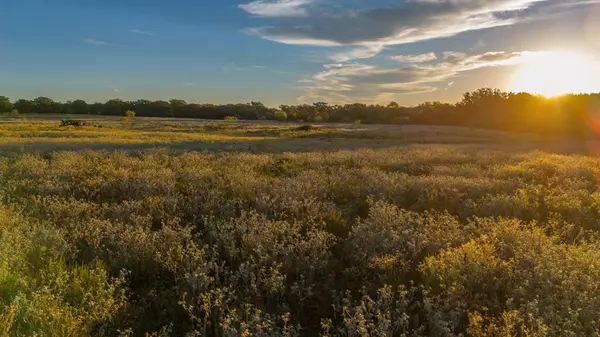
x=435 y=241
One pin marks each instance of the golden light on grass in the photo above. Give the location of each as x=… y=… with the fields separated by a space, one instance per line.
x=557 y=73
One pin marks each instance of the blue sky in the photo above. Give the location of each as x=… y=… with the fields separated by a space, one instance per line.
x=281 y=51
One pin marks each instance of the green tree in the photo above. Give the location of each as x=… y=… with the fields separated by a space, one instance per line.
x=5 y=104
x=24 y=105
x=44 y=105
x=178 y=107
x=79 y=107
x=280 y=116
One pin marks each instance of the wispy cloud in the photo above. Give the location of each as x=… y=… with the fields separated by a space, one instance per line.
x=415 y=58
x=101 y=43
x=276 y=8
x=364 y=52
x=141 y=32
x=234 y=67
x=344 y=82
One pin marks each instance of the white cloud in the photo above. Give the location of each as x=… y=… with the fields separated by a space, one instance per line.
x=357 y=53
x=141 y=32
x=353 y=81
x=100 y=43
x=277 y=8
x=96 y=42
x=415 y=58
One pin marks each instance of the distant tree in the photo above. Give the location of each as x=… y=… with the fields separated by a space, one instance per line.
x=280 y=116
x=78 y=107
x=129 y=116
x=178 y=108
x=24 y=105
x=5 y=104
x=115 y=107
x=393 y=105
x=45 y=105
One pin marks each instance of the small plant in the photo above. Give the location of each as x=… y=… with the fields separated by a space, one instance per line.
x=129 y=116
x=230 y=118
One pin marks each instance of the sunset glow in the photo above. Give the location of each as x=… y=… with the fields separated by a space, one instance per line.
x=557 y=73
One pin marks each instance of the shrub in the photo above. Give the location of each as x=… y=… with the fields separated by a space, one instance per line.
x=280 y=116
x=230 y=118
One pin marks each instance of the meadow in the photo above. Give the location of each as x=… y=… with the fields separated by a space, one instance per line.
x=153 y=227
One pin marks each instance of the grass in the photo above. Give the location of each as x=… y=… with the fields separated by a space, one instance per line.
x=182 y=228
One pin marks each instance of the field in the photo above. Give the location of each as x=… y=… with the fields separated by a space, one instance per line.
x=166 y=227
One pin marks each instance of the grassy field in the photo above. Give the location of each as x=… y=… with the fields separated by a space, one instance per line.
x=174 y=228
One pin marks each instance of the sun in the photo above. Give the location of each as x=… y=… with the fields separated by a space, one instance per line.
x=557 y=73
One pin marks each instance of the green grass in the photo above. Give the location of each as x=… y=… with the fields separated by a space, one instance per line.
x=226 y=229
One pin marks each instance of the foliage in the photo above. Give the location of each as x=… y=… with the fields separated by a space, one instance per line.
x=5 y=104
x=230 y=118
x=573 y=115
x=436 y=240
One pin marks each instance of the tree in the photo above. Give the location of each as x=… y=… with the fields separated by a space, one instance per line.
x=78 y=107
x=178 y=107
x=114 y=107
x=24 y=105
x=129 y=116
x=44 y=105
x=5 y=104
x=280 y=116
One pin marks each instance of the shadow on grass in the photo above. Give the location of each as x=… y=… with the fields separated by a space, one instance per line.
x=310 y=144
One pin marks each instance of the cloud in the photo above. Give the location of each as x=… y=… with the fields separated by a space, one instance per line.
x=234 y=67
x=141 y=32
x=277 y=8
x=344 y=82
x=415 y=58
x=100 y=43
x=406 y=22
x=357 y=53
x=97 y=42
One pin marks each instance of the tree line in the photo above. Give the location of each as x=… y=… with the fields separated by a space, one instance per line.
x=569 y=115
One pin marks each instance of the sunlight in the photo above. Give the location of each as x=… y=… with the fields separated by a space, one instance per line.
x=557 y=73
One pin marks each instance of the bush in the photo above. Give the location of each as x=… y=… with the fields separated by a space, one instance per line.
x=280 y=116
x=230 y=118
x=419 y=241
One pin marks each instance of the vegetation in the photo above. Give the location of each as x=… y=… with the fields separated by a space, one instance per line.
x=373 y=239
x=572 y=116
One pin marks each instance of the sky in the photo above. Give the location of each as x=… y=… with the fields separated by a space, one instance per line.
x=285 y=51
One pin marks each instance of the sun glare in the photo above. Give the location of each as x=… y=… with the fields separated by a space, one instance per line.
x=556 y=73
